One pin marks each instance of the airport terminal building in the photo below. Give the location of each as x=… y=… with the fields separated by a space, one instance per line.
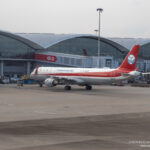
x=16 y=54
x=81 y=51
x=19 y=54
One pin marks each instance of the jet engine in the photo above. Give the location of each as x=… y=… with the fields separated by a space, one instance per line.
x=50 y=82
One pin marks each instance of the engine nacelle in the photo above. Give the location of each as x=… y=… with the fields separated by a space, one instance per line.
x=50 y=82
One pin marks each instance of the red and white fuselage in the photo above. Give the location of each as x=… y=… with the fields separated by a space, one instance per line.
x=88 y=76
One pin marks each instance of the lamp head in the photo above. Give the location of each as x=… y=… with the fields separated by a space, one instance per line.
x=99 y=9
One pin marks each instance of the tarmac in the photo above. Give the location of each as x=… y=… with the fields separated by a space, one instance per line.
x=106 y=118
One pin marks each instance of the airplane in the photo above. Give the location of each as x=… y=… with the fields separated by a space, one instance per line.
x=52 y=76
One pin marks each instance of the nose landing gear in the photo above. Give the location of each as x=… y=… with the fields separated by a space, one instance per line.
x=40 y=84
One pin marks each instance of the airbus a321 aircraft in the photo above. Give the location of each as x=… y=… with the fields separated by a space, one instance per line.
x=52 y=76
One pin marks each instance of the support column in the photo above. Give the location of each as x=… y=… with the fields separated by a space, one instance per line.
x=28 y=68
x=2 y=68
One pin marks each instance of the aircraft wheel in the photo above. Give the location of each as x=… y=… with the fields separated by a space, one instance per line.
x=67 y=88
x=88 y=87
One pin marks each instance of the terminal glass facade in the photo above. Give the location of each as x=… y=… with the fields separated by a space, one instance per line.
x=78 y=46
x=11 y=48
x=144 y=52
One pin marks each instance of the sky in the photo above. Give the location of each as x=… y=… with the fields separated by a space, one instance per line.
x=120 y=18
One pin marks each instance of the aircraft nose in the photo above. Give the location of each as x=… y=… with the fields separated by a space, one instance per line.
x=31 y=75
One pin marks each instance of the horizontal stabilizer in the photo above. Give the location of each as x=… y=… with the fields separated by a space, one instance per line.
x=125 y=74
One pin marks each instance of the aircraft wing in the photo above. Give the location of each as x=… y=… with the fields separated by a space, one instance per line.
x=70 y=80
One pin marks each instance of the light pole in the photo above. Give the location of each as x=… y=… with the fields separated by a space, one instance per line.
x=100 y=11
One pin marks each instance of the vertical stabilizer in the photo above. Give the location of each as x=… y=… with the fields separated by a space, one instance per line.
x=129 y=62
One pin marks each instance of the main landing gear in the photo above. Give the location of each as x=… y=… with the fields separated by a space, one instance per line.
x=67 y=87
x=88 y=87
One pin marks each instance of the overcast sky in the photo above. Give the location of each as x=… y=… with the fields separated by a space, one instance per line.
x=120 y=18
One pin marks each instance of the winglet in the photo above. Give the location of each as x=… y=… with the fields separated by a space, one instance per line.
x=129 y=62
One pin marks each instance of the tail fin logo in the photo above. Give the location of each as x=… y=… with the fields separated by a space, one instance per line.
x=131 y=59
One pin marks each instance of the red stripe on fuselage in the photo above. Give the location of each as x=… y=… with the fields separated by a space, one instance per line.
x=115 y=73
